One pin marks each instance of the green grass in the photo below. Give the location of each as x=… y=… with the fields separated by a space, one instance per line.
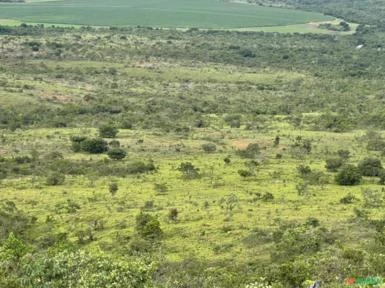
x=164 y=13
x=204 y=227
x=96 y=67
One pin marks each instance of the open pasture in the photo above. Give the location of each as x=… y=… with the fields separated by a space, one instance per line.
x=164 y=13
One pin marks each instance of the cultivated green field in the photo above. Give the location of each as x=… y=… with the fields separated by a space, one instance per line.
x=164 y=13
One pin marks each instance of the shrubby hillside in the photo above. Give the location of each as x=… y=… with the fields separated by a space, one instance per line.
x=141 y=157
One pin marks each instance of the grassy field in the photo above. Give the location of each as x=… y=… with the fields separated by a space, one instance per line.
x=164 y=13
x=171 y=93
x=211 y=234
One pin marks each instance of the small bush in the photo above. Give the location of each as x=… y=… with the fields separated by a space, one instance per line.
x=370 y=167
x=348 y=175
x=114 y=144
x=381 y=181
x=333 y=164
x=303 y=170
x=343 y=154
x=94 y=146
x=209 y=147
x=348 y=199
x=113 y=188
x=188 y=170
x=250 y=152
x=55 y=179
x=267 y=197
x=245 y=173
x=116 y=154
x=173 y=214
x=76 y=143
x=148 y=227
x=108 y=131
x=160 y=187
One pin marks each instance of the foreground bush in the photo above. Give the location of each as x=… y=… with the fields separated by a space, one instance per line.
x=82 y=270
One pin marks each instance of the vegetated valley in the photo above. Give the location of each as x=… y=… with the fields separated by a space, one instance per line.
x=143 y=157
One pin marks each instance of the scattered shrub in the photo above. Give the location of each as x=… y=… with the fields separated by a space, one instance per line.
x=348 y=175
x=348 y=199
x=173 y=214
x=160 y=187
x=245 y=173
x=94 y=146
x=108 y=131
x=55 y=179
x=370 y=167
x=113 y=188
x=148 y=227
x=209 y=147
x=116 y=154
x=333 y=164
x=303 y=170
x=251 y=151
x=343 y=154
x=188 y=170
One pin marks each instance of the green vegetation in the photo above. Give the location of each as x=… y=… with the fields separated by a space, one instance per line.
x=141 y=157
x=360 y=11
x=161 y=13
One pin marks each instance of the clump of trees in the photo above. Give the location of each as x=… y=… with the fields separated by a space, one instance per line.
x=349 y=175
x=69 y=268
x=371 y=167
x=89 y=145
x=108 y=131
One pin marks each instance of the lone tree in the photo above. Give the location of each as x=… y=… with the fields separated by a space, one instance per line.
x=148 y=226
x=94 y=146
x=189 y=170
x=108 y=131
x=116 y=154
x=349 y=175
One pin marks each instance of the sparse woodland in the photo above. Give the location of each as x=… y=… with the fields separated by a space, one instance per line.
x=140 y=157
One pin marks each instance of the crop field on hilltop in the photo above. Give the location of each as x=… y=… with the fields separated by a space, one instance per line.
x=163 y=13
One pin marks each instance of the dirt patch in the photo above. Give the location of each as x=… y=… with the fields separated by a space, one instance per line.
x=241 y=144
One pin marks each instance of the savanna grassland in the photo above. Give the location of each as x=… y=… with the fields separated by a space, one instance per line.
x=141 y=157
